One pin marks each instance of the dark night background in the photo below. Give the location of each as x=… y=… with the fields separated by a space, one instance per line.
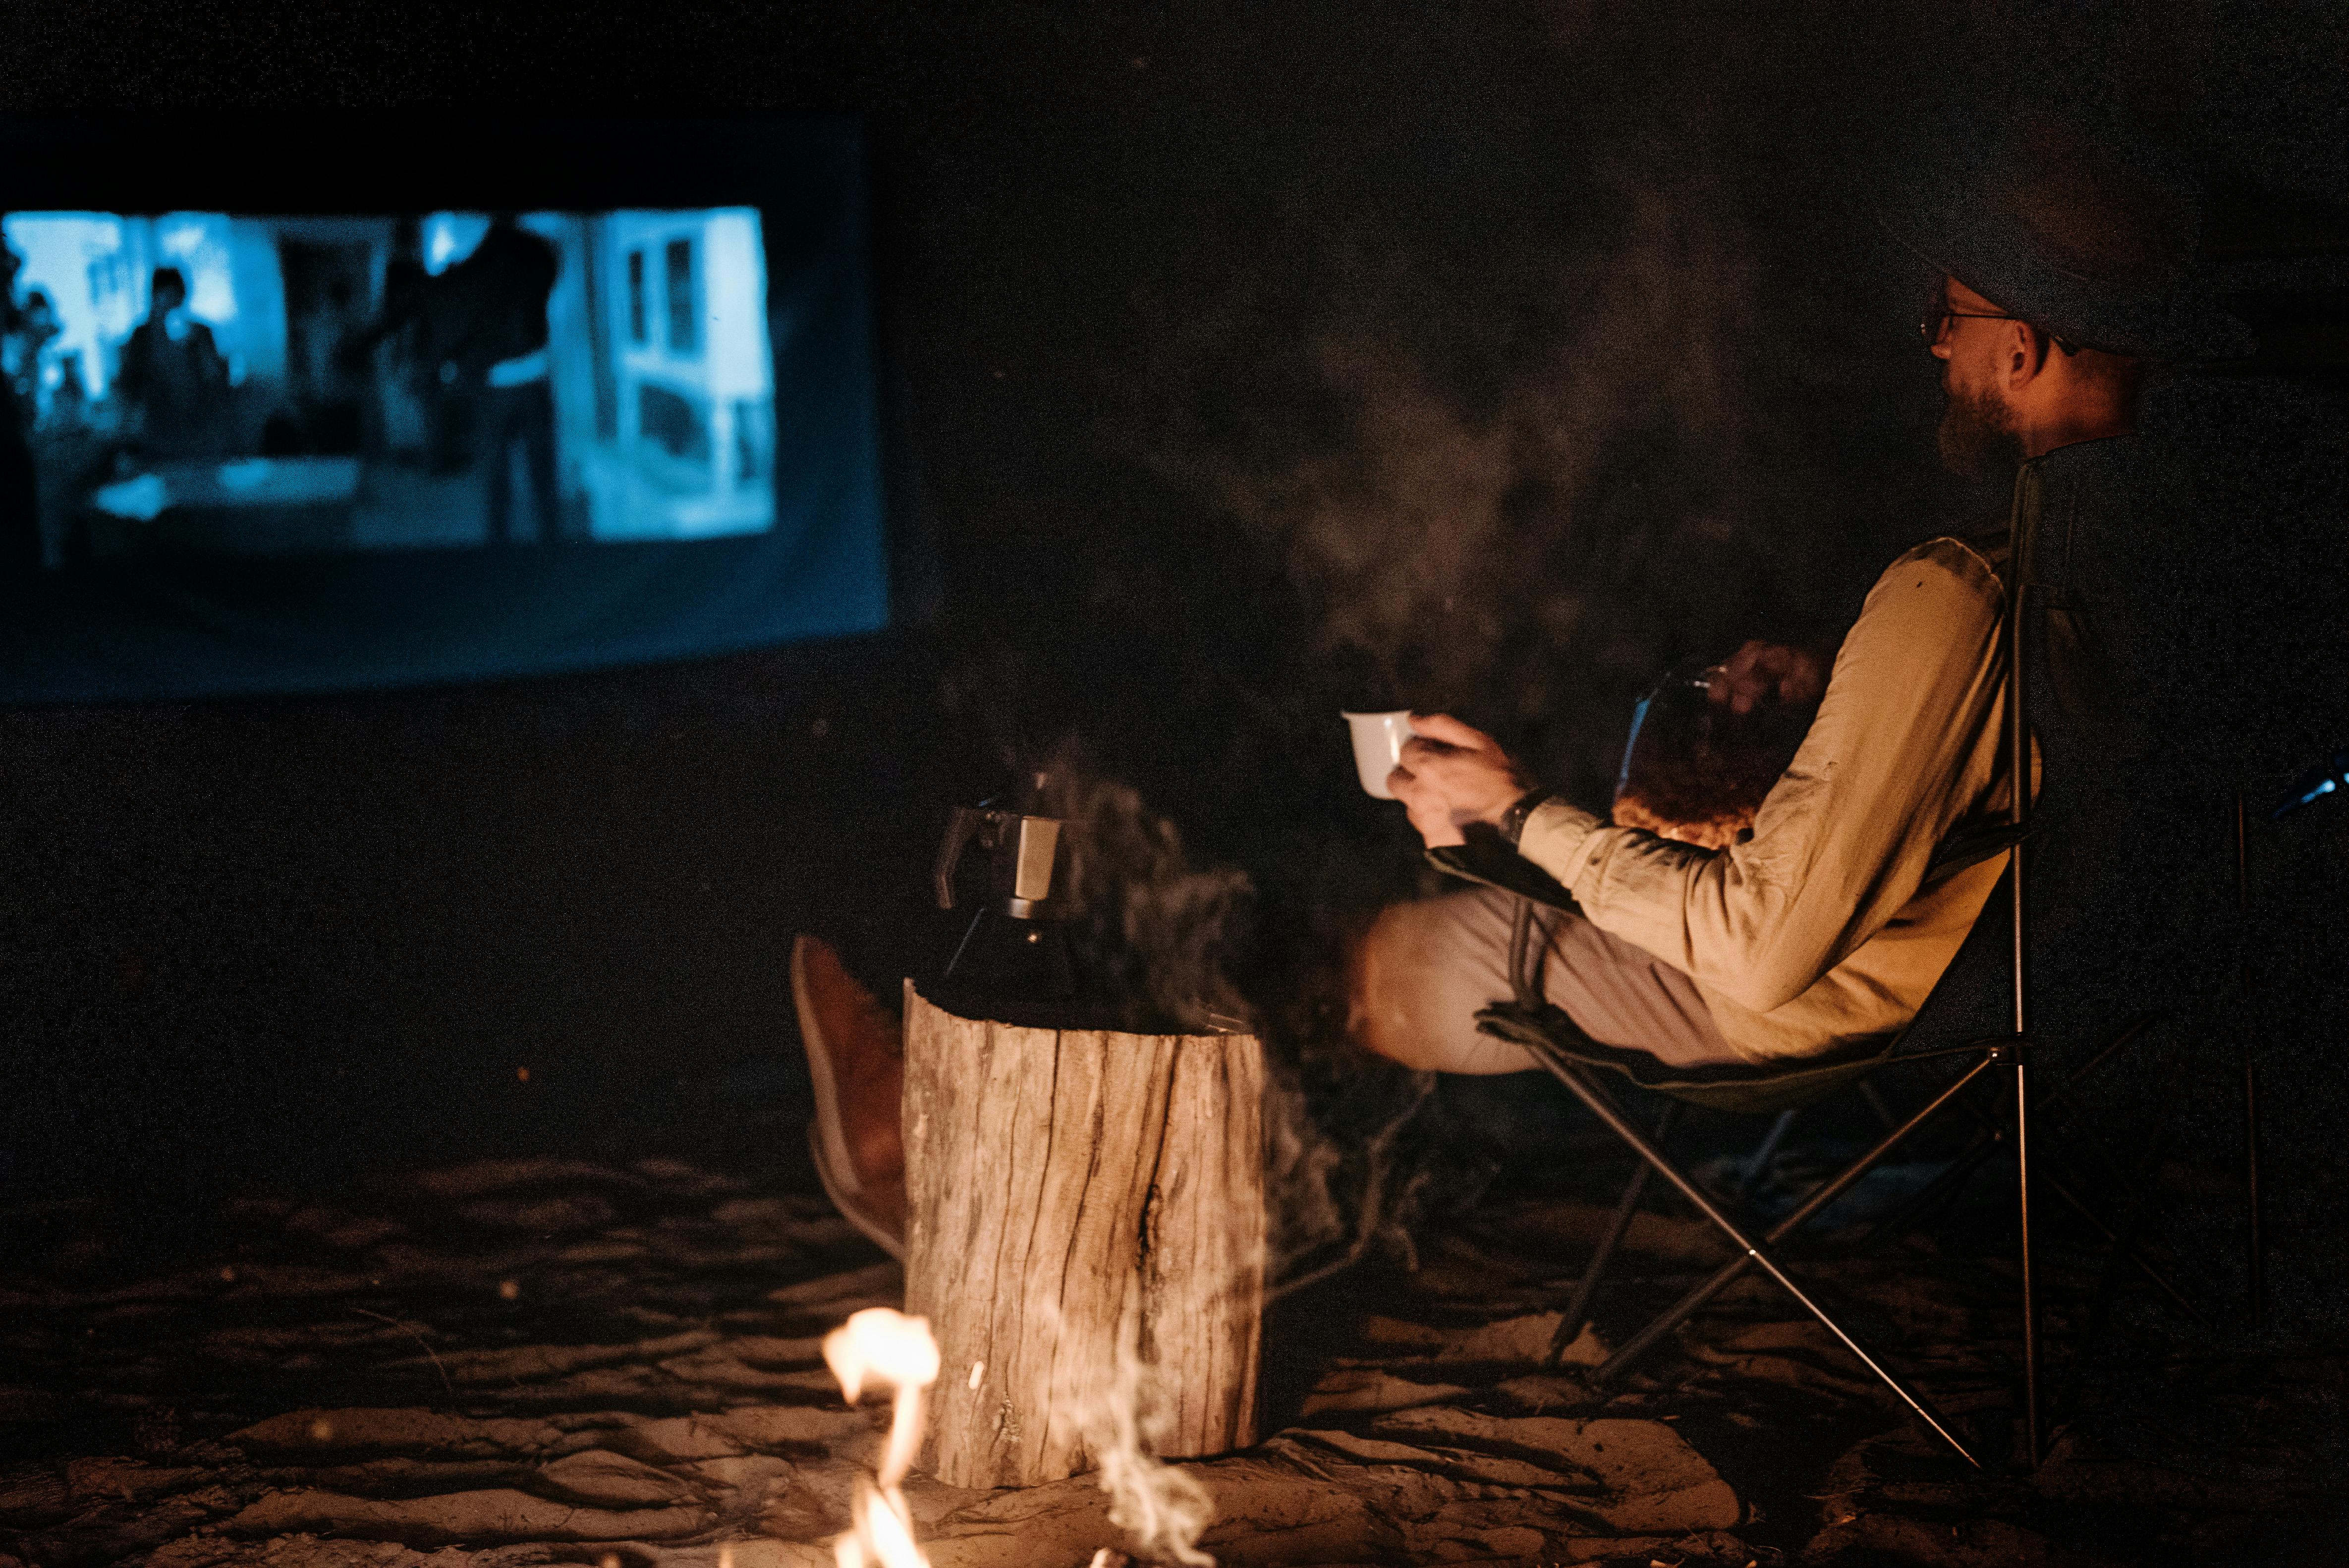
x=1241 y=361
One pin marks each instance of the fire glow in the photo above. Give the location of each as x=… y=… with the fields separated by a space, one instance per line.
x=880 y=1346
x=1164 y=1509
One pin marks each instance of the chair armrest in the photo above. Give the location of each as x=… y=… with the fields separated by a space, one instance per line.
x=1487 y=858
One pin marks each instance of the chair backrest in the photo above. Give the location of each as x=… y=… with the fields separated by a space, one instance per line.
x=2162 y=617
x=2126 y=874
x=2133 y=698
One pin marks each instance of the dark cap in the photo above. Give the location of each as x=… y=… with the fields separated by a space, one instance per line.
x=2062 y=230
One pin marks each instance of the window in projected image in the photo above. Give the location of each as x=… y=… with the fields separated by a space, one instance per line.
x=204 y=383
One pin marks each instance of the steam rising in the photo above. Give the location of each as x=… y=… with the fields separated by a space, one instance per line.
x=1157 y=934
x=1161 y=1508
x=1323 y=1222
x=1520 y=512
x=1162 y=936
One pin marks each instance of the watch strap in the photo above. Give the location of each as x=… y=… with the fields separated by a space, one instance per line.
x=1513 y=820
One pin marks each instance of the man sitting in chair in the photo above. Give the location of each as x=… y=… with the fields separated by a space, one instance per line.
x=1821 y=925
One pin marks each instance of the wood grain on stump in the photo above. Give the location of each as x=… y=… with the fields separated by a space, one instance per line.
x=1065 y=1186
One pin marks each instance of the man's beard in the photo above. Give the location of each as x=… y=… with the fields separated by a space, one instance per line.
x=1978 y=435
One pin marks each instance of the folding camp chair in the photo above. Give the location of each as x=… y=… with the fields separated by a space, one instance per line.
x=1587 y=1068
x=2057 y=497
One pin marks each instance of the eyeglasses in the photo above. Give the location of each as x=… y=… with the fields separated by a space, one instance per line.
x=1938 y=316
x=1938 y=313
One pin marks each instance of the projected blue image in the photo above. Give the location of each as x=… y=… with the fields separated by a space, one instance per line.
x=205 y=383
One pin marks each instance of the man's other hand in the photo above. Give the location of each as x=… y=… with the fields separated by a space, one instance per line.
x=1453 y=775
x=1762 y=674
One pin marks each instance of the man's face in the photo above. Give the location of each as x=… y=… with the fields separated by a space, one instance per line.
x=1979 y=433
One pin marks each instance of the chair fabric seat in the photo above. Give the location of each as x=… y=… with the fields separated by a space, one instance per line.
x=1739 y=1088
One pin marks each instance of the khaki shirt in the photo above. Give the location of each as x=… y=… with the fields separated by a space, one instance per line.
x=1819 y=930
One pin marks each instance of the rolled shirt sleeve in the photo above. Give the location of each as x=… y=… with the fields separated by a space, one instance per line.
x=1904 y=746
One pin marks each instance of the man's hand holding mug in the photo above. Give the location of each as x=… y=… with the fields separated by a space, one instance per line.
x=1450 y=774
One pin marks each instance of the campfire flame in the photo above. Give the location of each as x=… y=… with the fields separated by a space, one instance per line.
x=880 y=1346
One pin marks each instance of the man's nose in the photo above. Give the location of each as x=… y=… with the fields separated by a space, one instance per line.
x=1940 y=348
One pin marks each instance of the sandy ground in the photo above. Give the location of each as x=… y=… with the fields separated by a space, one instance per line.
x=551 y=1361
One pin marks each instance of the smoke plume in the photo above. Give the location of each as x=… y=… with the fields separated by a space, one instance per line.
x=1155 y=935
x=1162 y=1510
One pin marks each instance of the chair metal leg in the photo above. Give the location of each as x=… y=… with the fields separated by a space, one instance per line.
x=1577 y=1307
x=2124 y=1241
x=2257 y=1233
x=2017 y=1051
x=2032 y=1428
x=2079 y=1075
x=1601 y=1107
x=1990 y=1136
x=1824 y=1195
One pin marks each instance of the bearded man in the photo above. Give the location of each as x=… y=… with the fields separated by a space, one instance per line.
x=1819 y=929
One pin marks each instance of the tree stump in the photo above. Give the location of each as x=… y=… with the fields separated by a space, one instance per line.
x=1066 y=1187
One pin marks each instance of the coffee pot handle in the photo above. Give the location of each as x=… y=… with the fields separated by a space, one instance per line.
x=961 y=828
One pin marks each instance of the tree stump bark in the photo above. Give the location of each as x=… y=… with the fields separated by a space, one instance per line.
x=1065 y=1187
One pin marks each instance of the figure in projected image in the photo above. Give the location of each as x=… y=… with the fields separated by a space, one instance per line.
x=173 y=380
x=25 y=356
x=20 y=537
x=408 y=406
x=499 y=296
x=482 y=329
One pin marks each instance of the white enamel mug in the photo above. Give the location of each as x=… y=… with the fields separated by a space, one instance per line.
x=1378 y=746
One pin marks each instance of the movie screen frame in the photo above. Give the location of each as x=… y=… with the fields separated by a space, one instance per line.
x=85 y=617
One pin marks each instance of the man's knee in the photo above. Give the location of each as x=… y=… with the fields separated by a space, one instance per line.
x=1418 y=975
x=1398 y=991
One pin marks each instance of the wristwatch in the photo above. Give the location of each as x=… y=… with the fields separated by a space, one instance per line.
x=1513 y=820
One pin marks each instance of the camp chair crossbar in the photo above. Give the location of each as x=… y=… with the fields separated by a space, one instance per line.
x=1752 y=1254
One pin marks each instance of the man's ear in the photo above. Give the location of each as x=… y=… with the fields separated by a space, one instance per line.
x=2024 y=355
